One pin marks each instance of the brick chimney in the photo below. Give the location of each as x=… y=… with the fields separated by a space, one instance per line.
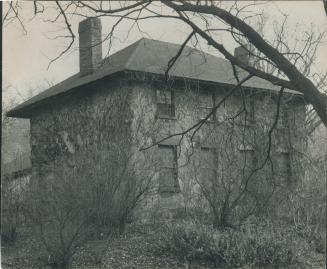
x=90 y=45
x=243 y=55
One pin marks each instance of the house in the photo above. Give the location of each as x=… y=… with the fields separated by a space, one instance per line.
x=126 y=100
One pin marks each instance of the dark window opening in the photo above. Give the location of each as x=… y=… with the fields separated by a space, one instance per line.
x=283 y=166
x=249 y=160
x=165 y=104
x=168 y=179
x=250 y=117
x=247 y=117
x=222 y=111
x=283 y=117
x=207 y=103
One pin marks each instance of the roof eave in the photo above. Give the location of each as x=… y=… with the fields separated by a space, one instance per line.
x=22 y=111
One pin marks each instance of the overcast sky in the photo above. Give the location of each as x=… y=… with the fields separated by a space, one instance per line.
x=26 y=57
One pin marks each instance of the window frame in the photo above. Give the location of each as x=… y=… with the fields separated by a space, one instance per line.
x=285 y=176
x=207 y=109
x=222 y=116
x=171 y=106
x=283 y=119
x=249 y=121
x=246 y=149
x=174 y=168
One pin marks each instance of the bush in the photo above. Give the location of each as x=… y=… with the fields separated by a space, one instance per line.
x=71 y=205
x=11 y=210
x=188 y=240
x=60 y=226
x=258 y=244
x=261 y=244
x=308 y=213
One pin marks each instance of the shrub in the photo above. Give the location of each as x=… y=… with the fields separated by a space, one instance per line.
x=11 y=210
x=257 y=244
x=188 y=240
x=60 y=224
x=70 y=205
x=308 y=211
x=262 y=243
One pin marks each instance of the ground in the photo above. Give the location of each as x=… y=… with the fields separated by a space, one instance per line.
x=136 y=249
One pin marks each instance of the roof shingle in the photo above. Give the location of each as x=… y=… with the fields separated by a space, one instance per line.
x=152 y=56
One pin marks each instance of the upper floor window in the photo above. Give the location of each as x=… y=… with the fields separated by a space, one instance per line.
x=207 y=103
x=283 y=117
x=222 y=110
x=168 y=178
x=165 y=104
x=249 y=115
x=245 y=106
x=246 y=137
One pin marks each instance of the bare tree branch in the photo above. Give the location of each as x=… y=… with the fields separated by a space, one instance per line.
x=198 y=125
x=297 y=80
x=72 y=35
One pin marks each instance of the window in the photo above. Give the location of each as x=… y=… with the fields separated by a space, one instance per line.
x=246 y=138
x=249 y=103
x=283 y=166
x=165 y=104
x=206 y=106
x=246 y=118
x=248 y=160
x=168 y=179
x=208 y=163
x=283 y=117
x=222 y=110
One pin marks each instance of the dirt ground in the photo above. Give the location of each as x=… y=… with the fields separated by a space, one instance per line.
x=134 y=250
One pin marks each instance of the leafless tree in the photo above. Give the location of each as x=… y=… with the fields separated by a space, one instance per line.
x=235 y=168
x=15 y=139
x=16 y=132
x=69 y=202
x=281 y=61
x=202 y=18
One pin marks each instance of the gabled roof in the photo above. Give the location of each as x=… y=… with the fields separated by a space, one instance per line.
x=151 y=56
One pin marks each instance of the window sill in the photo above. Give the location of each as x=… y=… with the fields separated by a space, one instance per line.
x=245 y=148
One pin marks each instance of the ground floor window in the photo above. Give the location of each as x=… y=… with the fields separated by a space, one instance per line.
x=168 y=178
x=283 y=166
x=208 y=165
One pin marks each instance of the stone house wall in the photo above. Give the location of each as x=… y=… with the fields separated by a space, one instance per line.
x=123 y=112
x=87 y=121
x=225 y=136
